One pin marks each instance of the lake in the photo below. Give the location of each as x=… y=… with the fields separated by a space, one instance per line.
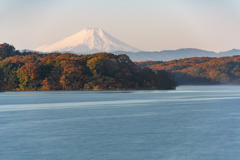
x=189 y=123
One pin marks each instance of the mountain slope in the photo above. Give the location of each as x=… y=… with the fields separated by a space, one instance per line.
x=89 y=40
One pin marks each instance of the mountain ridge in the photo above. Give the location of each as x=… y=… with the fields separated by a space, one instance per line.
x=168 y=55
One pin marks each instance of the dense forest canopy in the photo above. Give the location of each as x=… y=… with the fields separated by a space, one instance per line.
x=205 y=70
x=56 y=71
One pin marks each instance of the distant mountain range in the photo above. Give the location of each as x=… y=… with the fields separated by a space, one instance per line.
x=93 y=40
x=168 y=55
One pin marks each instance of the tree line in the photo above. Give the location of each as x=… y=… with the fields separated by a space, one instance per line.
x=56 y=71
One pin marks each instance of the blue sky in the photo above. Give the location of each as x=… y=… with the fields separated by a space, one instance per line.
x=152 y=25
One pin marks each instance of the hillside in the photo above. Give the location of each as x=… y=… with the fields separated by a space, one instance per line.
x=205 y=70
x=56 y=71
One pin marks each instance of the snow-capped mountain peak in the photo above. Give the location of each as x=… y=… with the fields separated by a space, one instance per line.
x=89 y=40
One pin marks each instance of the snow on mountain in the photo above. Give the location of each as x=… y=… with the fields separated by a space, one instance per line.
x=89 y=40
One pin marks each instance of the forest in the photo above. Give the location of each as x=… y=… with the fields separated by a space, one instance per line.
x=201 y=70
x=55 y=71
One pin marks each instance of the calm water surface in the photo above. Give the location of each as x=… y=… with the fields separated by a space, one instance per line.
x=190 y=123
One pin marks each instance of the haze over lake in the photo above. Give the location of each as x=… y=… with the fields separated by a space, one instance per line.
x=191 y=122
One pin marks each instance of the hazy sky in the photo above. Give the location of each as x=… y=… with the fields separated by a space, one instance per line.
x=151 y=25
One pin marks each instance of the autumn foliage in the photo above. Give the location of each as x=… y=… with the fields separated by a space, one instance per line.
x=204 y=70
x=55 y=71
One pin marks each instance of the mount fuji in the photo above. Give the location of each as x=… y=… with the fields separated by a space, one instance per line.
x=89 y=40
